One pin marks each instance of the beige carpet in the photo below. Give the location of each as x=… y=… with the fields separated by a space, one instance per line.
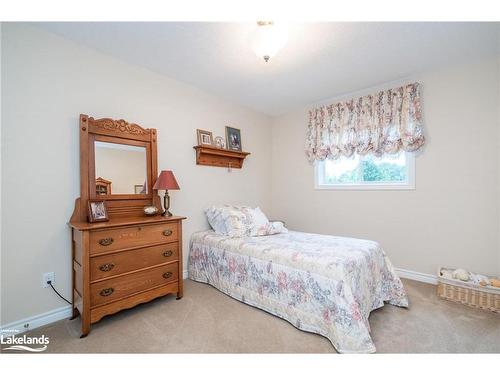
x=208 y=321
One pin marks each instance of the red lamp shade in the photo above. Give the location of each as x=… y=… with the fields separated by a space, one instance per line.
x=166 y=181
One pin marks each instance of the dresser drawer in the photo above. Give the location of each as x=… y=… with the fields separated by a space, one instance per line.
x=130 y=260
x=110 y=290
x=138 y=235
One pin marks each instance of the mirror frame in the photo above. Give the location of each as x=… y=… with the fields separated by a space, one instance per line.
x=122 y=132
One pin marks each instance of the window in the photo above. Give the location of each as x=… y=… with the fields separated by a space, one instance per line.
x=367 y=172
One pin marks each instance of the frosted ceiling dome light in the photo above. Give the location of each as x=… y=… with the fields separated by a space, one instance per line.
x=269 y=38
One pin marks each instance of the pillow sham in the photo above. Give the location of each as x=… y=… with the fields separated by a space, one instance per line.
x=242 y=221
x=259 y=225
x=274 y=227
x=255 y=220
x=226 y=220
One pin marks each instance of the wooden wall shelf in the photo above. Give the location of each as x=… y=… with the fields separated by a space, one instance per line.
x=218 y=157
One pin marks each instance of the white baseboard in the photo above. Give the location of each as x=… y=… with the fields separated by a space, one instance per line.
x=417 y=276
x=49 y=317
x=36 y=321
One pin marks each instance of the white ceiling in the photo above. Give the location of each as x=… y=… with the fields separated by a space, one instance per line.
x=320 y=60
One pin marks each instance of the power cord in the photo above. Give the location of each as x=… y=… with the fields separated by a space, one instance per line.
x=54 y=289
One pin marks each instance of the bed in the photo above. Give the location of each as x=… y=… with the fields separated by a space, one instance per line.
x=322 y=284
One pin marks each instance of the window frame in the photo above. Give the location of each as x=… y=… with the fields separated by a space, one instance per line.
x=407 y=185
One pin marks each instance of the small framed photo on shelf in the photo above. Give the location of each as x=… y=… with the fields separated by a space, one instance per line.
x=233 y=139
x=219 y=142
x=97 y=211
x=204 y=137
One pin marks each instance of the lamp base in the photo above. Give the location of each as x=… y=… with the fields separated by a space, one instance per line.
x=166 y=204
x=167 y=213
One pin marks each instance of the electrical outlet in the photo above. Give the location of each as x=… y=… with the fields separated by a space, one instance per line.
x=46 y=277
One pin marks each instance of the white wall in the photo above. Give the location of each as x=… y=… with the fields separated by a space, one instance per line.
x=46 y=83
x=451 y=218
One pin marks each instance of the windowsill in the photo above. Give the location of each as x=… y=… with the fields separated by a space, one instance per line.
x=366 y=187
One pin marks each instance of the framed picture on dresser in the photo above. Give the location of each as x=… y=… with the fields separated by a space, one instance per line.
x=97 y=211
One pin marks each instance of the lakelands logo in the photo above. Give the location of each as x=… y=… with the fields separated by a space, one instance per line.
x=24 y=343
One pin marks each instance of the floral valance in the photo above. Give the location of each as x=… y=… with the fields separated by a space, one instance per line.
x=385 y=122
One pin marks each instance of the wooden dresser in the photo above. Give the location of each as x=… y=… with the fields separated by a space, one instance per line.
x=122 y=263
x=132 y=258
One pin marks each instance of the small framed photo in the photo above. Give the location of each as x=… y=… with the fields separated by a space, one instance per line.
x=219 y=142
x=233 y=139
x=204 y=137
x=97 y=211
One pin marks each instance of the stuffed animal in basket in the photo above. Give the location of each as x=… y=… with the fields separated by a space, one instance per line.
x=461 y=274
x=493 y=282
x=466 y=276
x=478 y=279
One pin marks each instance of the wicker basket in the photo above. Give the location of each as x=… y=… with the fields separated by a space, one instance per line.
x=487 y=297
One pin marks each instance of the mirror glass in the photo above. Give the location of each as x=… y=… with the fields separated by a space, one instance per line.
x=120 y=169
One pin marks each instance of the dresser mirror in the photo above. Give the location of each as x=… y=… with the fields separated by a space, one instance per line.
x=120 y=169
x=118 y=164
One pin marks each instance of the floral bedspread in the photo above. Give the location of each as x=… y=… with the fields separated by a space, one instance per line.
x=322 y=284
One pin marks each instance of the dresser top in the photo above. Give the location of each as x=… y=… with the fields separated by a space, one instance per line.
x=124 y=221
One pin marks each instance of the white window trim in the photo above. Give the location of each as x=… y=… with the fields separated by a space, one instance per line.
x=407 y=185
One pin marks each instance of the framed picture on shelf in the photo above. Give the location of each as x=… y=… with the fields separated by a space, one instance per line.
x=233 y=139
x=97 y=211
x=219 y=142
x=204 y=137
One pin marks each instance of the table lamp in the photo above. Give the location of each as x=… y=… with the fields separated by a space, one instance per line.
x=166 y=181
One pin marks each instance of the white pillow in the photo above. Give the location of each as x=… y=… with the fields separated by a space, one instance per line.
x=259 y=218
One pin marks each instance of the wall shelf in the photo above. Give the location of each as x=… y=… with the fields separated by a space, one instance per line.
x=219 y=157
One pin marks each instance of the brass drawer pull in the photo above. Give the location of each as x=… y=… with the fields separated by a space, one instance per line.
x=107 y=267
x=106 y=292
x=106 y=241
x=167 y=253
x=167 y=232
x=167 y=275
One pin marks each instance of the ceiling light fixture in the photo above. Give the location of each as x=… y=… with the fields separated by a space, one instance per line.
x=269 y=38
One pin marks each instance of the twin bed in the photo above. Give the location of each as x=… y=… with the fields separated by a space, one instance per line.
x=322 y=284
